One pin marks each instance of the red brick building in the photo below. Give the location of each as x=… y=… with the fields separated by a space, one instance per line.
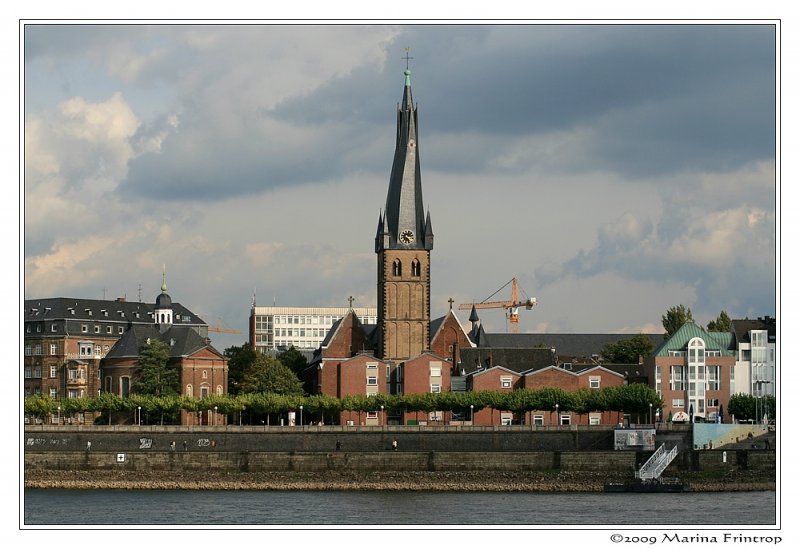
x=203 y=371
x=496 y=378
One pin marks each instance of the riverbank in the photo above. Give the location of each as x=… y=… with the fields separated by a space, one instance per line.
x=466 y=481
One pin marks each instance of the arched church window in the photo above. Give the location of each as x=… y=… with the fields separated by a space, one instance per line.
x=415 y=268
x=397 y=268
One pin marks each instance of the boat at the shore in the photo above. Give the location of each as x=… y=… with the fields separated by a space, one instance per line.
x=656 y=485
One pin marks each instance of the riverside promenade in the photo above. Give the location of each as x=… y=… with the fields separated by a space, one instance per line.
x=452 y=458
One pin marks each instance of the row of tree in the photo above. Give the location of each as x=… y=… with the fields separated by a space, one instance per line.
x=632 y=399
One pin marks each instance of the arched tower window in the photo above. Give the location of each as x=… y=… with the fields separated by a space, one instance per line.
x=397 y=268
x=189 y=390
x=415 y=268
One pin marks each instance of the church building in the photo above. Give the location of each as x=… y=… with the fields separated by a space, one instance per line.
x=405 y=351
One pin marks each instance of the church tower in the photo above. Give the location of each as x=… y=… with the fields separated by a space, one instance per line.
x=403 y=242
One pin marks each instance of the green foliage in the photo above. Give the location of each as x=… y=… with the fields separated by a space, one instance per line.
x=294 y=360
x=40 y=406
x=750 y=408
x=154 y=376
x=627 y=351
x=269 y=375
x=674 y=318
x=722 y=323
x=239 y=360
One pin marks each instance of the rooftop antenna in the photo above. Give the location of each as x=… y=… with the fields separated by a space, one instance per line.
x=140 y=293
x=104 y=293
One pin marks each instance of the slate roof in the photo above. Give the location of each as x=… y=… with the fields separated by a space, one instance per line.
x=576 y=345
x=516 y=359
x=70 y=308
x=715 y=341
x=182 y=341
x=742 y=328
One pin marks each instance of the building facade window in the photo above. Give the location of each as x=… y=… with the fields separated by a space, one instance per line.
x=415 y=270
x=125 y=386
x=594 y=419
x=37 y=350
x=397 y=268
x=53 y=371
x=372 y=380
x=219 y=390
x=538 y=420
x=28 y=372
x=53 y=349
x=189 y=390
x=84 y=328
x=85 y=349
x=436 y=388
x=565 y=420
x=505 y=382
x=676 y=382
x=37 y=372
x=28 y=350
x=594 y=382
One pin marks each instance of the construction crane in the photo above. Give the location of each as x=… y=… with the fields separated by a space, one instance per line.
x=222 y=328
x=511 y=306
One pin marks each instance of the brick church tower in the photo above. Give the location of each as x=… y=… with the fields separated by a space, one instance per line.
x=403 y=242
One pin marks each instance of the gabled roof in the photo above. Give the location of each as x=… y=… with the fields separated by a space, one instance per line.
x=714 y=341
x=438 y=323
x=182 y=341
x=573 y=372
x=495 y=368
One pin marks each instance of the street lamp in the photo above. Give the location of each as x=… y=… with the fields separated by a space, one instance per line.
x=301 y=415
x=382 y=414
x=651 y=413
x=240 y=415
x=140 y=415
x=215 y=415
x=471 y=413
x=59 y=415
x=558 y=420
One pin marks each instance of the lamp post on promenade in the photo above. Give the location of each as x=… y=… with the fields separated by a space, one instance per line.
x=301 y=416
x=651 y=413
x=59 y=416
x=558 y=419
x=471 y=414
x=382 y=417
x=215 y=415
x=139 y=409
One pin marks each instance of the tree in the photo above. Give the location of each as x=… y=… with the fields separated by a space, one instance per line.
x=239 y=360
x=154 y=376
x=721 y=324
x=294 y=360
x=627 y=351
x=268 y=375
x=675 y=317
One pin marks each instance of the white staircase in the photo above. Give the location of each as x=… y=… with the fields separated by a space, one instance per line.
x=659 y=461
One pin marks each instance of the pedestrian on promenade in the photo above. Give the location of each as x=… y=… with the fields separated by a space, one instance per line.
x=172 y=446
x=394 y=445
x=184 y=445
x=88 y=446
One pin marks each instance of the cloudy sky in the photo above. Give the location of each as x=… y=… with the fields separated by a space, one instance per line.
x=614 y=170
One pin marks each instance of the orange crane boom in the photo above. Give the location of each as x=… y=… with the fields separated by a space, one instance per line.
x=511 y=306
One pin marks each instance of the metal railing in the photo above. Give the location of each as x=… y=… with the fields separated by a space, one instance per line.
x=659 y=461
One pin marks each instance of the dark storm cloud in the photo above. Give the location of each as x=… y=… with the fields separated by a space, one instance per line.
x=659 y=98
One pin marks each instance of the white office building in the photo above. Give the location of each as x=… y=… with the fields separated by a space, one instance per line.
x=755 y=356
x=278 y=328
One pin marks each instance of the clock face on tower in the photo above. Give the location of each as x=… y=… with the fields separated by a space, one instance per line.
x=407 y=237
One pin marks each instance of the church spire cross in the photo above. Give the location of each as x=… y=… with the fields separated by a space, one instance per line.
x=351 y=299
x=407 y=57
x=451 y=301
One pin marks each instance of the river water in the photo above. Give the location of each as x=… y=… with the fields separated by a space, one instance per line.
x=222 y=508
